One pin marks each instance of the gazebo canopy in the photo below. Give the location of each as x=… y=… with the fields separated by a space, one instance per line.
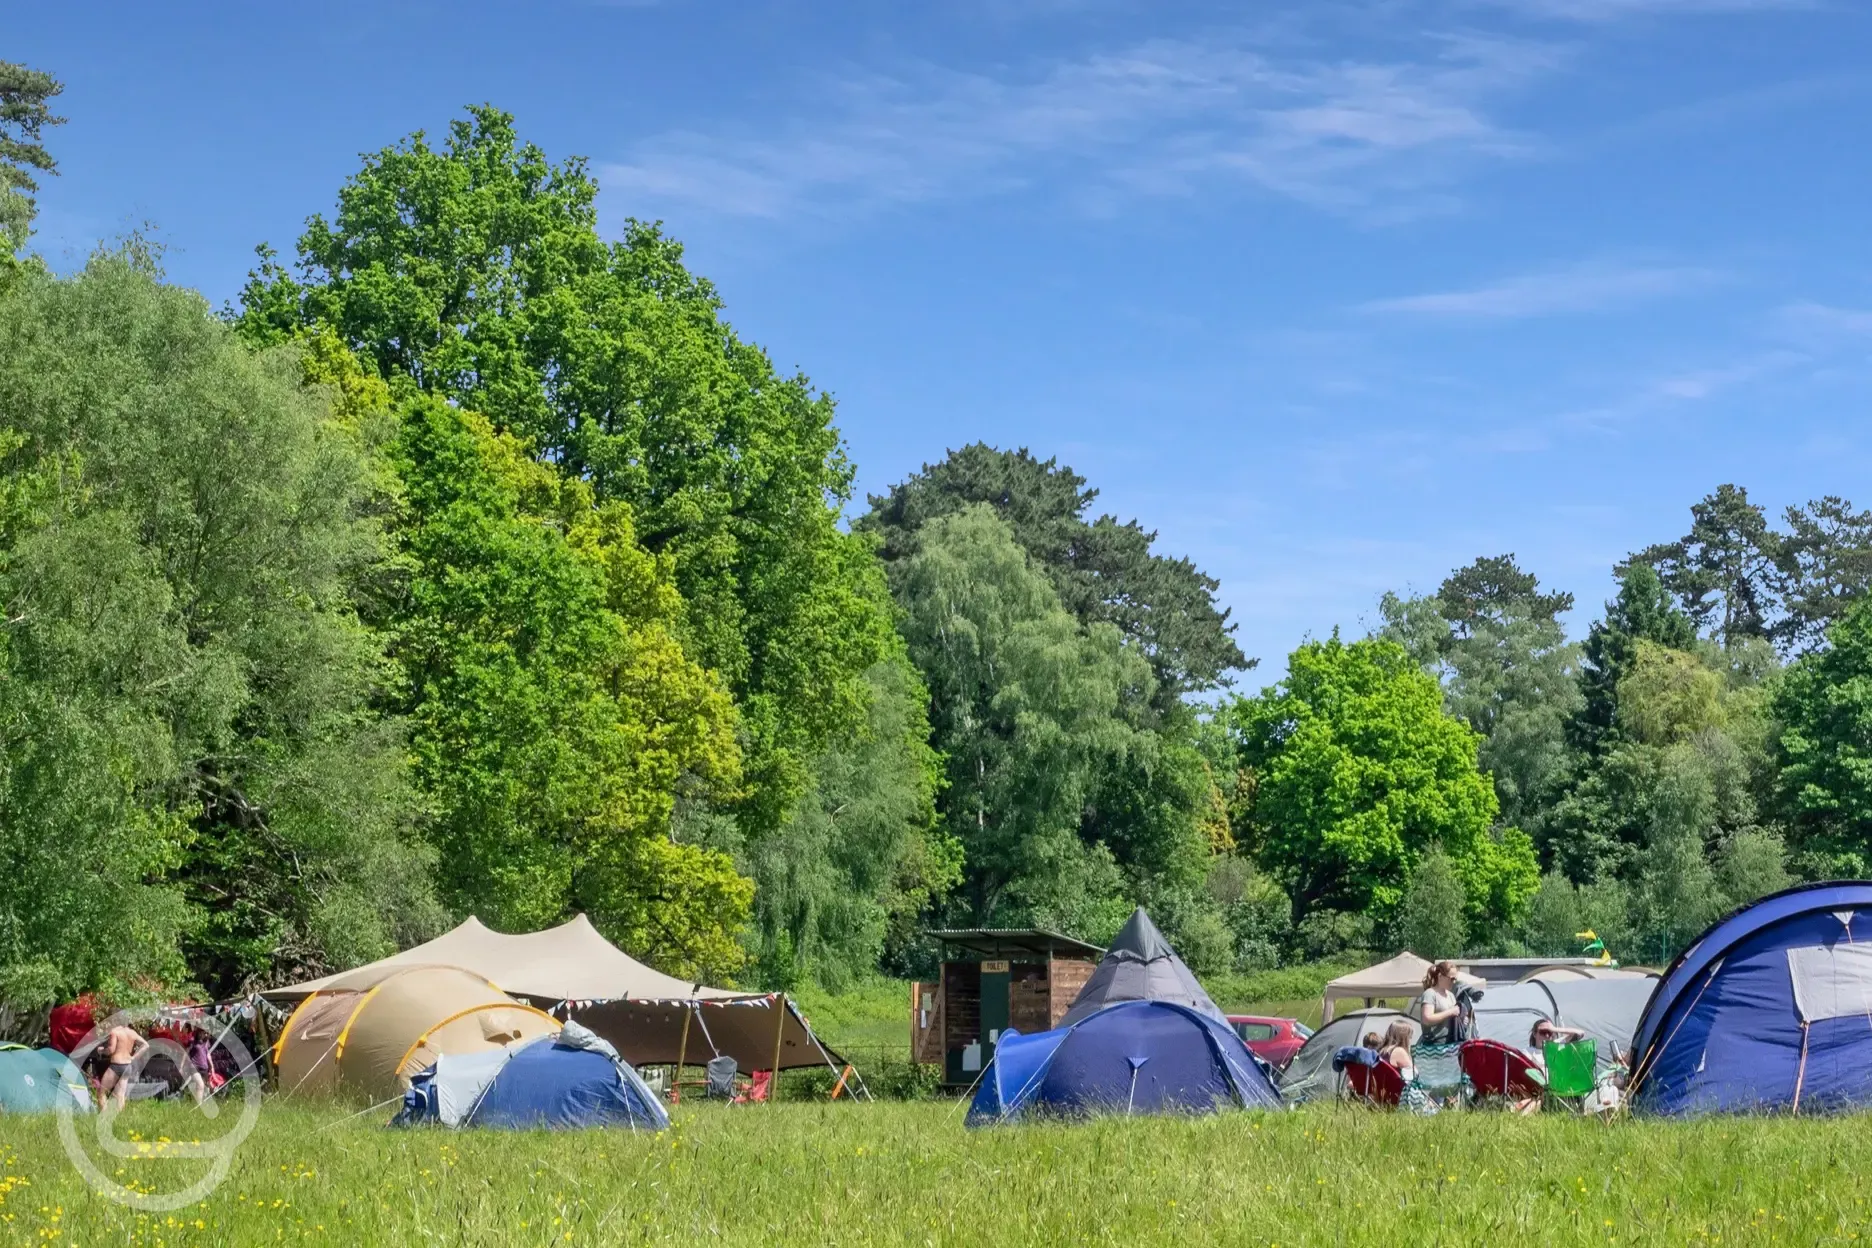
x=571 y=962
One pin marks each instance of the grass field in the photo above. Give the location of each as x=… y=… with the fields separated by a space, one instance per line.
x=910 y=1174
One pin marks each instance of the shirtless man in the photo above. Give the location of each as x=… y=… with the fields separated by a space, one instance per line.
x=121 y=1046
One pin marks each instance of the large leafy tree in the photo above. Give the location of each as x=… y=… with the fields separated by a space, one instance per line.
x=1824 y=785
x=1030 y=708
x=25 y=112
x=1642 y=611
x=1357 y=773
x=1495 y=640
x=1104 y=570
x=193 y=756
x=1724 y=570
x=475 y=270
x=554 y=714
x=853 y=868
x=1825 y=567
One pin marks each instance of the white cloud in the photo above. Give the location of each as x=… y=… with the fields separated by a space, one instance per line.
x=1596 y=11
x=1158 y=118
x=1589 y=288
x=1815 y=322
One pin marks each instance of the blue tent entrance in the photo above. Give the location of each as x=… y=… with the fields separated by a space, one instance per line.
x=1771 y=1009
x=1137 y=1057
x=39 y=1081
x=573 y=1079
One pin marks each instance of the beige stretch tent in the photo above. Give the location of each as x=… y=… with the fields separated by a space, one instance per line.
x=651 y=1018
x=364 y=1033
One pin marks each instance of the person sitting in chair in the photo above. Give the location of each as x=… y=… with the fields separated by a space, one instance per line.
x=1396 y=1050
x=1545 y=1033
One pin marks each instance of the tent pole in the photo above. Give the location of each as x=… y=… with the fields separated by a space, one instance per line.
x=682 y=1051
x=779 y=1034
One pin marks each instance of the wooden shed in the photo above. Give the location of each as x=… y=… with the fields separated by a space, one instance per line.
x=992 y=980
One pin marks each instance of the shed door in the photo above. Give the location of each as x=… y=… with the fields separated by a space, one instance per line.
x=995 y=1015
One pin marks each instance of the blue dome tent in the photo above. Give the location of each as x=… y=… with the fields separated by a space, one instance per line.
x=1771 y=1009
x=1142 y=1057
x=572 y=1079
x=39 y=1081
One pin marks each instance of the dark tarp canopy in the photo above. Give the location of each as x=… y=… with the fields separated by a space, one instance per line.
x=1140 y=965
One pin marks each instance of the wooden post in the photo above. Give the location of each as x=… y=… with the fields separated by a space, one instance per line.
x=682 y=1051
x=779 y=1034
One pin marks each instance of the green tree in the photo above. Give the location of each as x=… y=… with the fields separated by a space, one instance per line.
x=1825 y=566
x=194 y=759
x=1029 y=708
x=1724 y=571
x=25 y=112
x=1430 y=920
x=1824 y=749
x=861 y=856
x=1494 y=639
x=1358 y=772
x=476 y=271
x=1104 y=571
x=555 y=717
x=1642 y=611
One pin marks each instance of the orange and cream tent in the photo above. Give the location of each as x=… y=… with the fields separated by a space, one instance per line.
x=573 y=971
x=366 y=1033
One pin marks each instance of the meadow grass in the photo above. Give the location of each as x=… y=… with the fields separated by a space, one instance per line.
x=909 y=1173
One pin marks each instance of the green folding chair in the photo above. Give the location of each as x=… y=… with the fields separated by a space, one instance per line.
x=1572 y=1069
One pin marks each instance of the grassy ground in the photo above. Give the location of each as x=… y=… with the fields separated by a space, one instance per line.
x=910 y=1174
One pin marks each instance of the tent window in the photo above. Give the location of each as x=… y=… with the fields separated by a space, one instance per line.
x=1831 y=981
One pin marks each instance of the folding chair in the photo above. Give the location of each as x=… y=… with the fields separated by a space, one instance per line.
x=1380 y=1086
x=1498 y=1071
x=1572 y=1071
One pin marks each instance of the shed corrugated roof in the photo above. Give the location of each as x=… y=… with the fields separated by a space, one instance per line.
x=995 y=941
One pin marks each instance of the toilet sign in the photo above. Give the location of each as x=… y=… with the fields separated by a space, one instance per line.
x=994 y=968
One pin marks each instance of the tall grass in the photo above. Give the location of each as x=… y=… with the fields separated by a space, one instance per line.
x=910 y=1174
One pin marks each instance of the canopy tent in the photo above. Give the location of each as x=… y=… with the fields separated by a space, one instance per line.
x=572 y=1079
x=1395 y=979
x=651 y=1018
x=570 y=962
x=1140 y=965
x=367 y=1032
x=764 y=1032
x=1309 y=1075
x=1133 y=1057
x=1770 y=1009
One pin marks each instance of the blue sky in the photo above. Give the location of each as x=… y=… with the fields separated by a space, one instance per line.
x=1336 y=296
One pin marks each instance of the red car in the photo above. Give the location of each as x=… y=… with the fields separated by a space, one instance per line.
x=1273 y=1040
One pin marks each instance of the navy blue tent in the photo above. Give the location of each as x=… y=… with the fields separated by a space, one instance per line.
x=573 y=1079
x=1771 y=1009
x=1141 y=1057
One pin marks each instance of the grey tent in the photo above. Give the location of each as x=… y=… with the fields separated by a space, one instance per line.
x=1310 y=1076
x=1140 y=965
x=1605 y=1009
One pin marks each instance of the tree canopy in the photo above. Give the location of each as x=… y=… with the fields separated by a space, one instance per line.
x=1358 y=772
x=25 y=112
x=1104 y=570
x=195 y=759
x=476 y=271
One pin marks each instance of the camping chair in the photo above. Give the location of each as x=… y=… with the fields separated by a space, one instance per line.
x=721 y=1079
x=1376 y=1085
x=759 y=1088
x=1572 y=1071
x=1501 y=1072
